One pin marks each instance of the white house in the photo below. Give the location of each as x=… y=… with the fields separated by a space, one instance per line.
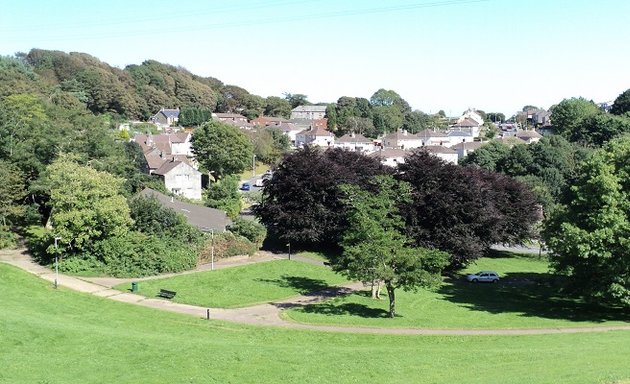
x=472 y=114
x=464 y=149
x=402 y=140
x=309 y=112
x=430 y=137
x=315 y=136
x=355 y=142
x=447 y=154
x=456 y=136
x=390 y=156
x=529 y=136
x=181 y=179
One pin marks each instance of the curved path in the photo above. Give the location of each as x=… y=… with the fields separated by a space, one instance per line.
x=263 y=314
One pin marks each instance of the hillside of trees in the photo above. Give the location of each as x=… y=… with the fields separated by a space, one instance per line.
x=76 y=79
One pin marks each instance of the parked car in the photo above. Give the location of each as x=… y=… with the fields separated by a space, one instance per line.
x=259 y=182
x=246 y=187
x=483 y=277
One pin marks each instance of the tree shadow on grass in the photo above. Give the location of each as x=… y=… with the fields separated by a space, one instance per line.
x=532 y=295
x=349 y=309
x=303 y=285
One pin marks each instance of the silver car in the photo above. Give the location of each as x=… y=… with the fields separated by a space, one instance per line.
x=483 y=277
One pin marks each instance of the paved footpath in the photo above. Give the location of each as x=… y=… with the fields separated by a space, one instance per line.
x=263 y=314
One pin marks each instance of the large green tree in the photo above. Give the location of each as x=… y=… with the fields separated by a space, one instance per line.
x=375 y=247
x=222 y=149
x=12 y=192
x=622 y=103
x=86 y=205
x=590 y=236
x=568 y=115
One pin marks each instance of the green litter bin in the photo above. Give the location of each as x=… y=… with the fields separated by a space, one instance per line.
x=134 y=287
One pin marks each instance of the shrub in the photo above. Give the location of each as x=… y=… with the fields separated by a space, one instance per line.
x=250 y=229
x=226 y=244
x=7 y=238
x=136 y=254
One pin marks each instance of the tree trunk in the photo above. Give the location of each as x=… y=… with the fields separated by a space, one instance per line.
x=376 y=289
x=392 y=300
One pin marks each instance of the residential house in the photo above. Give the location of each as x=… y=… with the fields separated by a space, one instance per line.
x=166 y=117
x=464 y=149
x=181 y=179
x=315 y=136
x=204 y=218
x=309 y=112
x=235 y=119
x=472 y=114
x=467 y=124
x=289 y=129
x=402 y=140
x=449 y=155
x=390 y=156
x=529 y=136
x=355 y=142
x=456 y=136
x=268 y=120
x=431 y=137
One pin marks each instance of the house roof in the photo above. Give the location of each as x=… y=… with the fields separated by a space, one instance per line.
x=528 y=135
x=469 y=146
x=438 y=149
x=167 y=166
x=154 y=158
x=356 y=138
x=309 y=108
x=467 y=123
x=389 y=153
x=318 y=131
x=459 y=132
x=170 y=113
x=427 y=133
x=204 y=218
x=400 y=135
x=229 y=116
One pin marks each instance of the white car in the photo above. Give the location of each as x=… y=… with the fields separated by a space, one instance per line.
x=483 y=277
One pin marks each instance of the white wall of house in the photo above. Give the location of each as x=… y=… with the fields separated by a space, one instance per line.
x=448 y=157
x=185 y=181
x=393 y=161
x=182 y=149
x=358 y=147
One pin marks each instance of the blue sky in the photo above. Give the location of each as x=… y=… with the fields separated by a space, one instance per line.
x=495 y=55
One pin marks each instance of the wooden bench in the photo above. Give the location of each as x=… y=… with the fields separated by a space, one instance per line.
x=166 y=294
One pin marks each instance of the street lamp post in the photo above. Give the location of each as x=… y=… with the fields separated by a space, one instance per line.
x=289 y=245
x=56 y=263
x=212 y=250
x=254 y=166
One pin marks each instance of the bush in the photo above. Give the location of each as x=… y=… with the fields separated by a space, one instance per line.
x=226 y=244
x=7 y=238
x=250 y=229
x=136 y=254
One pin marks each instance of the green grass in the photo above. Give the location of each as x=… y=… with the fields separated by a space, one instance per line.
x=245 y=285
x=526 y=297
x=260 y=169
x=319 y=256
x=50 y=336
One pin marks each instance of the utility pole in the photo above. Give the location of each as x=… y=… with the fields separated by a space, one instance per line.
x=254 y=166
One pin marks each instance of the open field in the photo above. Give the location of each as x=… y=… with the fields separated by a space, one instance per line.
x=60 y=336
x=526 y=297
x=245 y=285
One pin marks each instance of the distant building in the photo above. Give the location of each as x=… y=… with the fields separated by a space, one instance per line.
x=355 y=142
x=402 y=140
x=181 y=179
x=166 y=117
x=464 y=149
x=309 y=112
x=315 y=136
x=390 y=156
x=447 y=154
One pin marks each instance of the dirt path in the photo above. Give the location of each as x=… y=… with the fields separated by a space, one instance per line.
x=263 y=314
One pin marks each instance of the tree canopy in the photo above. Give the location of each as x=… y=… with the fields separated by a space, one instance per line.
x=222 y=149
x=374 y=244
x=589 y=235
x=302 y=203
x=621 y=104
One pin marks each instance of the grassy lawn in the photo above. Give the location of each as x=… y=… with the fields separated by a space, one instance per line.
x=527 y=296
x=242 y=286
x=260 y=169
x=50 y=336
x=319 y=256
